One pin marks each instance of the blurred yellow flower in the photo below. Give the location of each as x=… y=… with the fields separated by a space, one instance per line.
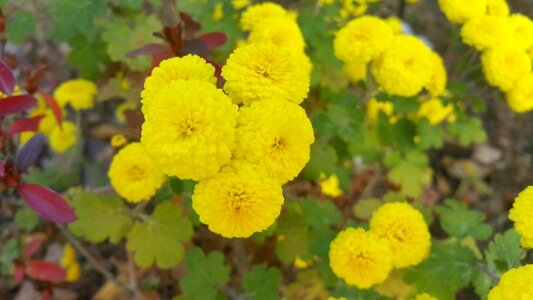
x=70 y=262
x=121 y=109
x=62 y=138
x=300 y=263
x=330 y=185
x=79 y=93
x=218 y=12
x=373 y=107
x=435 y=111
x=521 y=213
x=238 y=4
x=118 y=141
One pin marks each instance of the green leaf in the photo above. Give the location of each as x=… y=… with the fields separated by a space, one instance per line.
x=430 y=136
x=410 y=172
x=320 y=214
x=205 y=274
x=308 y=286
x=100 y=217
x=89 y=56
x=364 y=208
x=71 y=16
x=159 y=237
x=294 y=235
x=262 y=284
x=468 y=130
x=504 y=252
x=482 y=284
x=323 y=159
x=449 y=268
x=26 y=219
x=459 y=221
x=21 y=25
x=121 y=39
x=131 y=3
x=9 y=251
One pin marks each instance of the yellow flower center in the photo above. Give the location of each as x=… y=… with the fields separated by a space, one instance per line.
x=136 y=173
x=238 y=198
x=277 y=145
x=189 y=127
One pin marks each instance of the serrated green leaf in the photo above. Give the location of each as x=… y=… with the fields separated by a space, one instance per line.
x=122 y=38
x=504 y=251
x=71 y=16
x=468 y=130
x=100 y=217
x=308 y=286
x=430 y=136
x=411 y=172
x=459 y=221
x=158 y=239
x=89 y=56
x=294 y=235
x=205 y=274
x=482 y=284
x=20 y=26
x=261 y=283
x=26 y=219
x=449 y=268
x=320 y=214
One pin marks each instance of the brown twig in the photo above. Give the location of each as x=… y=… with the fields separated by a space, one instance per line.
x=169 y=13
x=94 y=263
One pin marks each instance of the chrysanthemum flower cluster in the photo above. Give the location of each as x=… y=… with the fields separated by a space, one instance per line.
x=506 y=44
x=401 y=65
x=240 y=156
x=398 y=237
x=79 y=95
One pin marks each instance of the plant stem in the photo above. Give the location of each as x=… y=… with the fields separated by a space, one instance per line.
x=401 y=9
x=106 y=273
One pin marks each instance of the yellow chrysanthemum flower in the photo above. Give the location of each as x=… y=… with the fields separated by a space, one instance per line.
x=521 y=31
x=402 y=69
x=360 y=258
x=438 y=78
x=239 y=200
x=406 y=231
x=218 y=11
x=330 y=185
x=280 y=32
x=520 y=96
x=189 y=129
x=424 y=296
x=504 y=66
x=118 y=140
x=395 y=24
x=122 y=108
x=238 y=4
x=460 y=11
x=62 y=138
x=190 y=67
x=70 y=263
x=79 y=93
x=486 y=32
x=362 y=39
x=434 y=111
x=514 y=284
x=275 y=134
x=257 y=13
x=373 y=107
x=261 y=71
x=356 y=71
x=497 y=8
x=133 y=175
x=522 y=216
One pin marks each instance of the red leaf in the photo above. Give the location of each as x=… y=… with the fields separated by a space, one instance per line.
x=28 y=154
x=45 y=271
x=52 y=103
x=214 y=39
x=47 y=203
x=32 y=247
x=148 y=49
x=2 y=169
x=18 y=274
x=25 y=124
x=7 y=79
x=14 y=104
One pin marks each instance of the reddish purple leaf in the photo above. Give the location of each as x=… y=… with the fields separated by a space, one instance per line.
x=28 y=154
x=25 y=124
x=7 y=79
x=47 y=203
x=18 y=274
x=148 y=50
x=45 y=271
x=52 y=103
x=14 y=104
x=32 y=247
x=2 y=169
x=214 y=39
